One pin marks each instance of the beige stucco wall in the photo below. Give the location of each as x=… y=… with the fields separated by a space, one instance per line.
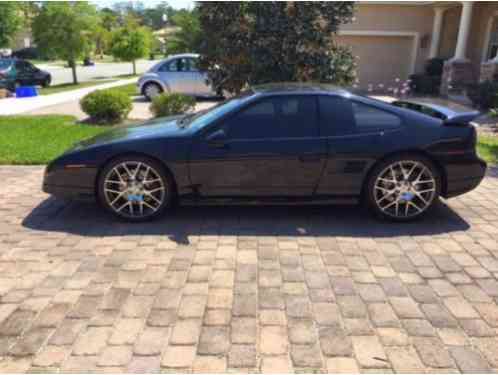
x=409 y=18
x=449 y=32
x=396 y=18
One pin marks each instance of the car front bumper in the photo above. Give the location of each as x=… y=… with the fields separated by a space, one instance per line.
x=71 y=183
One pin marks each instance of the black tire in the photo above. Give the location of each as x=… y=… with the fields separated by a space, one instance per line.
x=371 y=191
x=160 y=171
x=149 y=86
x=46 y=82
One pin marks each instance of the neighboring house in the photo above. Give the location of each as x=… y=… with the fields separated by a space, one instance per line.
x=163 y=34
x=394 y=39
x=22 y=39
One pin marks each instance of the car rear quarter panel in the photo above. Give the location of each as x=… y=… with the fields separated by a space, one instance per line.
x=351 y=157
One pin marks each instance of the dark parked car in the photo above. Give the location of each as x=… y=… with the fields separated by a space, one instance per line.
x=284 y=143
x=15 y=72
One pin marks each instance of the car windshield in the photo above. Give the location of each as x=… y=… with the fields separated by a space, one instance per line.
x=202 y=118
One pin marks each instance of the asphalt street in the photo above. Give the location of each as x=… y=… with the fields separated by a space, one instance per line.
x=62 y=75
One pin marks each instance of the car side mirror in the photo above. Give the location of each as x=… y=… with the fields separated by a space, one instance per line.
x=217 y=139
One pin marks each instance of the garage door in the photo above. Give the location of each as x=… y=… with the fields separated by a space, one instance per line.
x=381 y=59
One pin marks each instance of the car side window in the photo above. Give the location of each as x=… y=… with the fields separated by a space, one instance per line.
x=176 y=65
x=20 y=66
x=336 y=116
x=275 y=117
x=369 y=118
x=166 y=66
x=29 y=67
x=192 y=64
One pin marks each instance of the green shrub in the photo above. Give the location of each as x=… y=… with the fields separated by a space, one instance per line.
x=425 y=84
x=434 y=66
x=483 y=94
x=429 y=82
x=171 y=104
x=106 y=106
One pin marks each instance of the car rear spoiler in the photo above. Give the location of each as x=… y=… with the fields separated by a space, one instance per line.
x=461 y=118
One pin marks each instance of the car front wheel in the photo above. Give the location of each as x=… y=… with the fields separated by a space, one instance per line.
x=151 y=90
x=403 y=188
x=46 y=82
x=135 y=188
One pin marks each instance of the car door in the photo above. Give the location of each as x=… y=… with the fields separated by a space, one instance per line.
x=269 y=148
x=22 y=73
x=201 y=85
x=36 y=76
x=177 y=75
x=355 y=139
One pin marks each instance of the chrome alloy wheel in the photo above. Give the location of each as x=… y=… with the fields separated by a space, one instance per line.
x=405 y=189
x=152 y=90
x=134 y=189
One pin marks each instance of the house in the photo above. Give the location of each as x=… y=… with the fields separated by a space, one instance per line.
x=393 y=39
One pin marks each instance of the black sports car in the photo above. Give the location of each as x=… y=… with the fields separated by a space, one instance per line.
x=285 y=143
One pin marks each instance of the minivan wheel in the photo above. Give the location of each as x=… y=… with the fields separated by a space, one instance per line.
x=403 y=188
x=152 y=90
x=135 y=188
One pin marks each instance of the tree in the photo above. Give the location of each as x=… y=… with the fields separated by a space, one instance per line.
x=102 y=40
x=155 y=17
x=189 y=37
x=67 y=29
x=248 y=43
x=109 y=19
x=10 y=21
x=131 y=42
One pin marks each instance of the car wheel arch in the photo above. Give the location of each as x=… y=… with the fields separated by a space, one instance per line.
x=164 y=86
x=168 y=171
x=416 y=152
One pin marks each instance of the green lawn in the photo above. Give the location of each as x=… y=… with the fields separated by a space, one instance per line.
x=39 y=139
x=69 y=86
x=487 y=147
x=129 y=89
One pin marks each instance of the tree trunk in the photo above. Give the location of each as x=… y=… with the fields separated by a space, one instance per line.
x=73 y=68
x=134 y=68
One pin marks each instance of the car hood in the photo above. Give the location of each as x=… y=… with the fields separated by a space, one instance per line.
x=162 y=127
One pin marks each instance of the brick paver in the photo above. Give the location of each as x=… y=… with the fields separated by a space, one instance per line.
x=245 y=289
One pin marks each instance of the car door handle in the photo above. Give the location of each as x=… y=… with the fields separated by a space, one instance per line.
x=218 y=144
x=311 y=158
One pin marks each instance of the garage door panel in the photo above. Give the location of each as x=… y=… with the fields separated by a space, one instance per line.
x=381 y=59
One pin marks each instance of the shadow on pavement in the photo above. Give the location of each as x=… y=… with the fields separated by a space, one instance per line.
x=321 y=221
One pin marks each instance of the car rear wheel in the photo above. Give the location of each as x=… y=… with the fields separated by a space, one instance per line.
x=135 y=188
x=152 y=90
x=404 y=188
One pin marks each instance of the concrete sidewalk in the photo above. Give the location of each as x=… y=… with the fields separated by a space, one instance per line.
x=14 y=106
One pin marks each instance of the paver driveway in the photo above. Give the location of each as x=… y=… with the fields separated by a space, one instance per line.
x=245 y=289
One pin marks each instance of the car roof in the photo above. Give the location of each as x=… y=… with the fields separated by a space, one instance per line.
x=299 y=88
x=194 y=55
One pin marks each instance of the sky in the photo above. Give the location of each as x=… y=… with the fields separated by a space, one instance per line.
x=177 y=4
